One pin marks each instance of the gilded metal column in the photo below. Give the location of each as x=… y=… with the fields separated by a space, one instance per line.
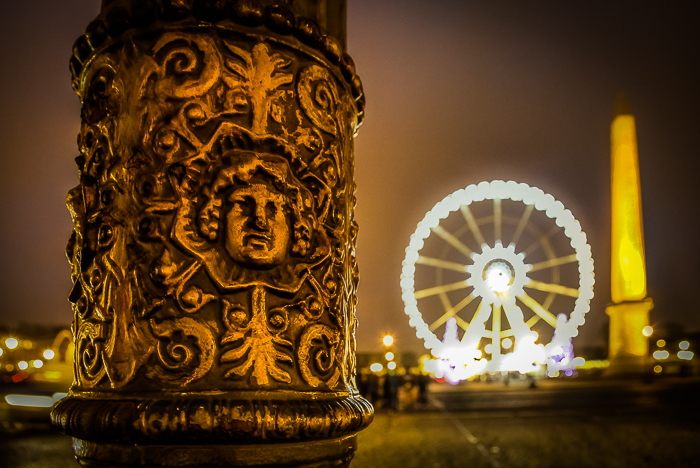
x=213 y=255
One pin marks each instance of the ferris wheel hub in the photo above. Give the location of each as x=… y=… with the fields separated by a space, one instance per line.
x=498 y=274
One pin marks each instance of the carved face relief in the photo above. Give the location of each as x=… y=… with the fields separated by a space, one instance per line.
x=257 y=228
x=255 y=223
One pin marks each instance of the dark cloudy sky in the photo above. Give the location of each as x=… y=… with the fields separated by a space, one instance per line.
x=457 y=92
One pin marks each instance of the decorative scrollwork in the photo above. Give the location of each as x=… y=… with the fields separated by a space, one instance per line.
x=318 y=98
x=187 y=359
x=317 y=356
x=189 y=65
x=89 y=349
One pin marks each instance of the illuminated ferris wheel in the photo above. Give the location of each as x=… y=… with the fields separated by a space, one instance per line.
x=506 y=266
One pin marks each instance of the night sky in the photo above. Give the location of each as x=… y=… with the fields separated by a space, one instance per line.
x=457 y=92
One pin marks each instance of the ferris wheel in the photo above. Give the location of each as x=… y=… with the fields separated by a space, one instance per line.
x=506 y=266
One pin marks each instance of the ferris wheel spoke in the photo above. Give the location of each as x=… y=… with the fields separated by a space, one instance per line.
x=553 y=262
x=522 y=223
x=440 y=289
x=462 y=324
x=438 y=263
x=548 y=301
x=497 y=219
x=445 y=301
x=452 y=312
x=532 y=247
x=471 y=222
x=452 y=240
x=535 y=306
x=496 y=331
x=533 y=320
x=552 y=288
x=543 y=241
x=477 y=327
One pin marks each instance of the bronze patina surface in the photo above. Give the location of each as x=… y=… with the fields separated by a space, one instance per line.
x=213 y=256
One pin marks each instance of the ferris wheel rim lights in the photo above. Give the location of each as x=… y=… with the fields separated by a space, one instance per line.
x=510 y=190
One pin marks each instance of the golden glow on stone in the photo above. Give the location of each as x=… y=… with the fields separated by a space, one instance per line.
x=629 y=311
x=627 y=324
x=628 y=275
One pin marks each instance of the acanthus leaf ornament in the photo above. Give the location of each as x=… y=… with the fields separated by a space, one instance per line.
x=262 y=348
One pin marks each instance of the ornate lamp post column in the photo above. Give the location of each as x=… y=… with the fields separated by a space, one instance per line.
x=213 y=251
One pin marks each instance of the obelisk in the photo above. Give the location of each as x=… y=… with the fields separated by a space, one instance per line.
x=629 y=310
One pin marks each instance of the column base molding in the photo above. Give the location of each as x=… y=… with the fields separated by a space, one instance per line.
x=334 y=453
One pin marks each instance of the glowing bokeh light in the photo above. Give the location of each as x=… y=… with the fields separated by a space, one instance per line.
x=11 y=343
x=647 y=331
x=498 y=277
x=38 y=363
x=391 y=365
x=1 y=352
x=376 y=367
x=49 y=354
x=685 y=355
x=658 y=369
x=684 y=345
x=29 y=400
x=22 y=365
x=389 y=356
x=661 y=343
x=388 y=340
x=578 y=362
x=660 y=354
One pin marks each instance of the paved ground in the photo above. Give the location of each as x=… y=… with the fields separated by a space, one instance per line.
x=36 y=449
x=559 y=424
x=490 y=440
